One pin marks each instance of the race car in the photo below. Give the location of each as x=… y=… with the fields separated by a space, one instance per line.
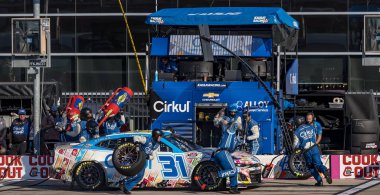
x=180 y=163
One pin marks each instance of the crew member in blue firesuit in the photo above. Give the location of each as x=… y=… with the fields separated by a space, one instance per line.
x=70 y=128
x=230 y=126
x=91 y=131
x=310 y=118
x=149 y=146
x=253 y=134
x=113 y=124
x=305 y=139
x=20 y=132
x=167 y=66
x=87 y=131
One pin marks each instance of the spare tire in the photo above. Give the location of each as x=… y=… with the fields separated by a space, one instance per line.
x=297 y=165
x=128 y=159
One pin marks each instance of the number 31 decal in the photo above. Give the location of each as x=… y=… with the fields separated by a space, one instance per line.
x=173 y=166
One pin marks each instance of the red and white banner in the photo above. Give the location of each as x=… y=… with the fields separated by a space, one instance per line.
x=359 y=166
x=25 y=167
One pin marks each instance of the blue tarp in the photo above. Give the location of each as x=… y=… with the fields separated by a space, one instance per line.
x=222 y=16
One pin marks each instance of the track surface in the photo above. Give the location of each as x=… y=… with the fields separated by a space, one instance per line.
x=54 y=187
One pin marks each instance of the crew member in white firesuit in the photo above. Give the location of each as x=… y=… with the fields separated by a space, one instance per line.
x=252 y=133
x=227 y=145
x=149 y=146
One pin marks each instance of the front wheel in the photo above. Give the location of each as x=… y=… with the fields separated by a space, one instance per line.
x=205 y=177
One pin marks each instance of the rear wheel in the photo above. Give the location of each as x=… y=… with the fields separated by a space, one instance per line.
x=205 y=177
x=89 y=176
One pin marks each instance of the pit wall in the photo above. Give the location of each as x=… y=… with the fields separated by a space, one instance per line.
x=342 y=166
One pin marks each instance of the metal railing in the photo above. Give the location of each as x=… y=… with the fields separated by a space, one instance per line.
x=136 y=111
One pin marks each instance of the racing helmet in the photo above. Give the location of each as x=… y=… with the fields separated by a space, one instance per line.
x=92 y=127
x=156 y=133
x=84 y=113
x=232 y=108
x=299 y=120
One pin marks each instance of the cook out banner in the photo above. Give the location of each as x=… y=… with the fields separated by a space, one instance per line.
x=365 y=166
x=25 y=167
x=342 y=166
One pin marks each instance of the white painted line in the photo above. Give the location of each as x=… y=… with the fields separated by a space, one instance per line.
x=360 y=187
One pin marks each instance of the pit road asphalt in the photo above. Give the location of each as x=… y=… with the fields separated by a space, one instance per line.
x=55 y=187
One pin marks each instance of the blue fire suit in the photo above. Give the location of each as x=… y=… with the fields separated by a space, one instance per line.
x=149 y=146
x=305 y=139
x=227 y=145
x=252 y=130
x=20 y=133
x=112 y=127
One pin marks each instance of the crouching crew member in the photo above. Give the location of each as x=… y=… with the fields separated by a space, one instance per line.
x=230 y=126
x=305 y=139
x=149 y=146
x=253 y=134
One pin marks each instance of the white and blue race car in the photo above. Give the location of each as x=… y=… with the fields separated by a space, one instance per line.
x=180 y=163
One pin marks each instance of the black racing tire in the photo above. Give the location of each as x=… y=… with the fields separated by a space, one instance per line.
x=358 y=139
x=89 y=176
x=297 y=165
x=337 y=152
x=363 y=126
x=128 y=159
x=202 y=177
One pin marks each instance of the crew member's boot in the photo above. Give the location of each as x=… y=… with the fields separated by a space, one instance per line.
x=327 y=176
x=123 y=189
x=319 y=183
x=234 y=190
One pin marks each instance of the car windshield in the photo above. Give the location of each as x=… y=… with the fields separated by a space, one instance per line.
x=182 y=143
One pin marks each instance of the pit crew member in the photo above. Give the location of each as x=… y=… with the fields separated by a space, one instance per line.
x=252 y=133
x=230 y=126
x=149 y=146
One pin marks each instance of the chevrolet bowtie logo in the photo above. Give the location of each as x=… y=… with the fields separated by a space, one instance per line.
x=211 y=95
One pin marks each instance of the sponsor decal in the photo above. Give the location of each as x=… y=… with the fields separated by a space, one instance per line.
x=293 y=79
x=359 y=166
x=295 y=24
x=254 y=106
x=160 y=106
x=173 y=166
x=260 y=19
x=215 y=14
x=371 y=145
x=210 y=97
x=157 y=20
x=211 y=85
